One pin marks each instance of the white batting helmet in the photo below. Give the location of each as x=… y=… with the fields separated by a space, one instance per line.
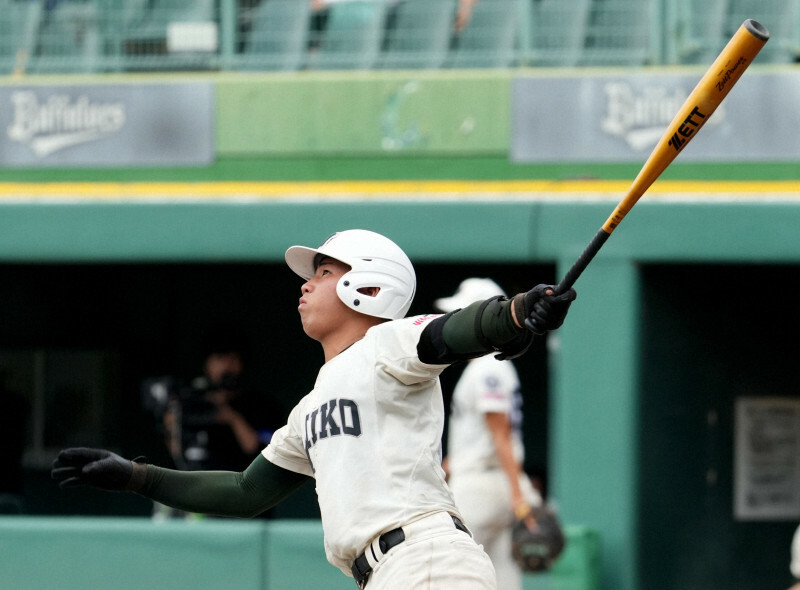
x=469 y=291
x=374 y=260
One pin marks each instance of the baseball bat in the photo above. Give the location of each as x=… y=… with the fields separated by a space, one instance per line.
x=693 y=114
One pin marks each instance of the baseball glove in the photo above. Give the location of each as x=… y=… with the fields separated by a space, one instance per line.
x=537 y=540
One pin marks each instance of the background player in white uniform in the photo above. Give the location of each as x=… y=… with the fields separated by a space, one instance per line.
x=369 y=433
x=485 y=451
x=794 y=565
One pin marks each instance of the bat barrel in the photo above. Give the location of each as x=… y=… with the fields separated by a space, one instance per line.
x=701 y=103
x=710 y=91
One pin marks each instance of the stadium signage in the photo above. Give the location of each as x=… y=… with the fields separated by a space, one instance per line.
x=619 y=118
x=61 y=122
x=102 y=125
x=640 y=117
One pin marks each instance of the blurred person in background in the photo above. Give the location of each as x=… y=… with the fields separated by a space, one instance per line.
x=464 y=14
x=219 y=421
x=794 y=566
x=216 y=421
x=484 y=446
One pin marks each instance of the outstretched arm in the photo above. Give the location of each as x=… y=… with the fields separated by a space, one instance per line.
x=224 y=493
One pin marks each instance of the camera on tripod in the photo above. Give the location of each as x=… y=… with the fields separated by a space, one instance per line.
x=192 y=412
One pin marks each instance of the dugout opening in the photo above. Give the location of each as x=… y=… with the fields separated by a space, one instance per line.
x=87 y=335
x=712 y=335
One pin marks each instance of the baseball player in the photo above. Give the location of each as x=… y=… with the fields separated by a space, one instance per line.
x=485 y=449
x=794 y=565
x=369 y=433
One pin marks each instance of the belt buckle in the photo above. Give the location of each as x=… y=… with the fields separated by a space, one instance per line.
x=360 y=576
x=361 y=581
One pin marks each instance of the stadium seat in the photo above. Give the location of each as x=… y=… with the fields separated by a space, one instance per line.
x=698 y=29
x=19 y=27
x=558 y=32
x=278 y=38
x=621 y=33
x=489 y=39
x=145 y=25
x=146 y=19
x=68 y=39
x=352 y=36
x=419 y=36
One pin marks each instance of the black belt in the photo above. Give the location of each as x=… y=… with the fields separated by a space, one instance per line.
x=362 y=569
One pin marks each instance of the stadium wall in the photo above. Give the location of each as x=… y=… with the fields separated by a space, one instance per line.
x=134 y=554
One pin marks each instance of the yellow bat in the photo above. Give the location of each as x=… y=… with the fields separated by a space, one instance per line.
x=713 y=87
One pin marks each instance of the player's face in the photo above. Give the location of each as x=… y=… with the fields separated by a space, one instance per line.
x=321 y=310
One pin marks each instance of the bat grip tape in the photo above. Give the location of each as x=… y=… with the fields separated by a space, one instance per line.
x=582 y=262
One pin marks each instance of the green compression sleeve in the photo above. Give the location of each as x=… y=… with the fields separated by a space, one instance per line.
x=464 y=335
x=480 y=328
x=223 y=493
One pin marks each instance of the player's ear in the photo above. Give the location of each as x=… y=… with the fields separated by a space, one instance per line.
x=369 y=291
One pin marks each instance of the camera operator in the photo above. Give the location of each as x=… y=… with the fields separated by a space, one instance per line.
x=224 y=424
x=214 y=421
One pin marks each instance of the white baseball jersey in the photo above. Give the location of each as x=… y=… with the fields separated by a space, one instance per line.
x=486 y=385
x=370 y=434
x=794 y=566
x=478 y=482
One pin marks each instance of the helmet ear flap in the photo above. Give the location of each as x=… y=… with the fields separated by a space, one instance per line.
x=347 y=293
x=390 y=299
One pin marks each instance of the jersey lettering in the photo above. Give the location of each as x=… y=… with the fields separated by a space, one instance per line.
x=422 y=319
x=326 y=418
x=353 y=425
x=349 y=423
x=516 y=411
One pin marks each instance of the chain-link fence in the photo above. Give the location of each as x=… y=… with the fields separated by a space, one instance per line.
x=95 y=36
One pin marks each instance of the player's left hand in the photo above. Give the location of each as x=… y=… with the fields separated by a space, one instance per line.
x=537 y=539
x=93 y=467
x=541 y=309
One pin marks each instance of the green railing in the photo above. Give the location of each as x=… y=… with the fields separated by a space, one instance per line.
x=97 y=36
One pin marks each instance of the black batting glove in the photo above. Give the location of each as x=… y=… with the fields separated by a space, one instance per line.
x=541 y=310
x=98 y=468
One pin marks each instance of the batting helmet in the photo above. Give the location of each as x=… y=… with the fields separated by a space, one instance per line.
x=374 y=261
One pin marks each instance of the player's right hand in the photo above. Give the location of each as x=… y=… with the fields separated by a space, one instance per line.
x=542 y=309
x=93 y=467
